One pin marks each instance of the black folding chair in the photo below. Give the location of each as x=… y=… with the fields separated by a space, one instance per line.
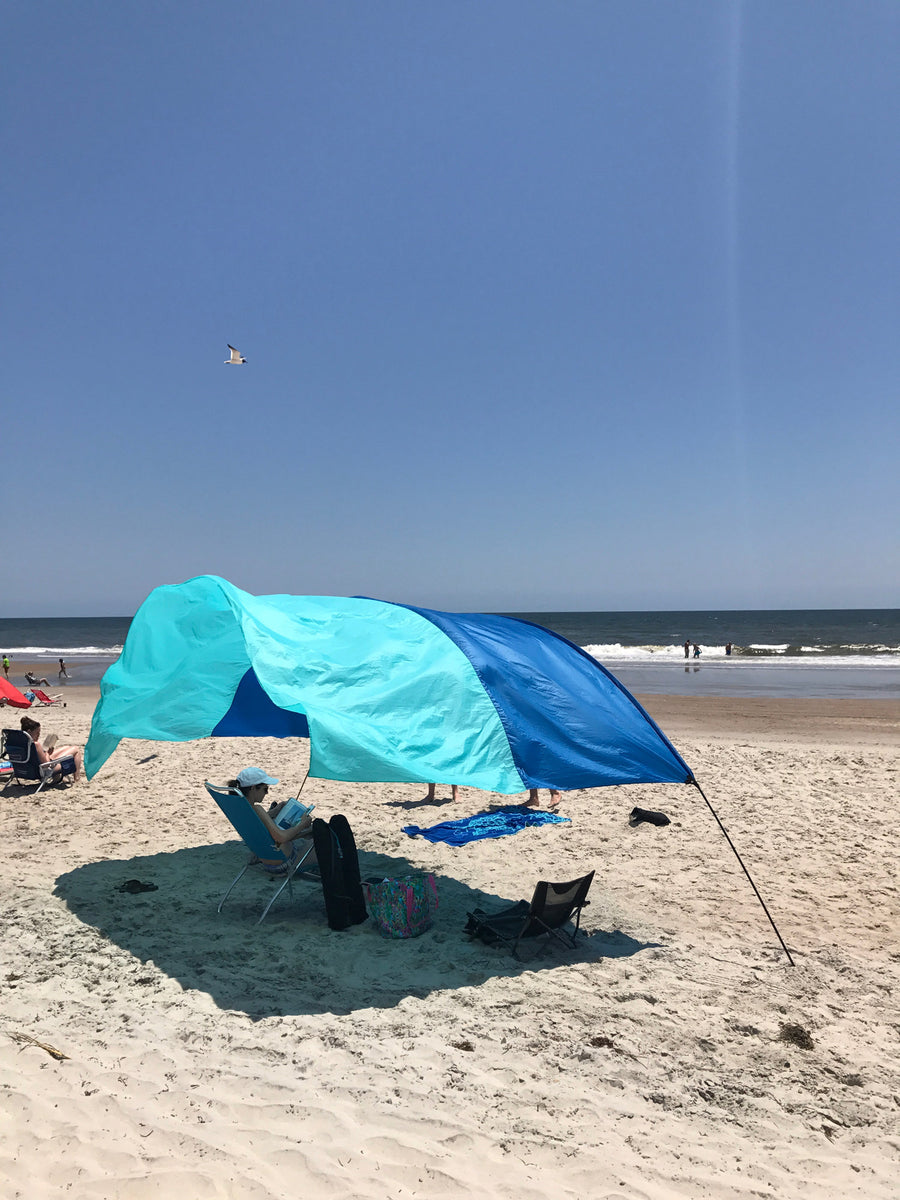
x=552 y=907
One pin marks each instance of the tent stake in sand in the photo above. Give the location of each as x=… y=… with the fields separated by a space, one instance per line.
x=744 y=869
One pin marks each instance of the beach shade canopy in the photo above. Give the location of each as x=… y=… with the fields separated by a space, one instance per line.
x=385 y=692
x=12 y=695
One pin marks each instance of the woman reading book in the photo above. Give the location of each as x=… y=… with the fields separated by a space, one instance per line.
x=51 y=753
x=253 y=783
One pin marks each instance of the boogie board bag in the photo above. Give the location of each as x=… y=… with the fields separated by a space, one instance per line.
x=402 y=908
x=339 y=871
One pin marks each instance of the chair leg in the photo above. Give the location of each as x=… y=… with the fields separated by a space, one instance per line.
x=577 y=924
x=287 y=883
x=272 y=901
x=567 y=939
x=509 y=942
x=234 y=881
x=22 y=783
x=47 y=776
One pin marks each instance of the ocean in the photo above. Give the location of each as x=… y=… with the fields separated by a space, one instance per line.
x=793 y=652
x=838 y=653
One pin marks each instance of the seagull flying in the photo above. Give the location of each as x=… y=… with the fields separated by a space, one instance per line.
x=236 y=357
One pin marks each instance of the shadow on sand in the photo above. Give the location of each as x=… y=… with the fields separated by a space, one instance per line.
x=293 y=963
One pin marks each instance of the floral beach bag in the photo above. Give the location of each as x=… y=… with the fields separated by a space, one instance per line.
x=402 y=908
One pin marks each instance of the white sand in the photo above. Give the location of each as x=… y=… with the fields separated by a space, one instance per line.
x=211 y=1057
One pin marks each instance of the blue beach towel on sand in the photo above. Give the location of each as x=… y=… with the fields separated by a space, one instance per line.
x=500 y=822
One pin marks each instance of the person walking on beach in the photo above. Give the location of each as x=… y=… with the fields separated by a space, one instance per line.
x=687 y=648
x=6 y=665
x=63 y=673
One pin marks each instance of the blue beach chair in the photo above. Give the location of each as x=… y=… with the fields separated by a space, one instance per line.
x=258 y=841
x=19 y=750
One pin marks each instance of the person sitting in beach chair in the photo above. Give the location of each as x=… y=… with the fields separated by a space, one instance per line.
x=271 y=847
x=30 y=763
x=253 y=784
x=33 y=681
x=51 y=753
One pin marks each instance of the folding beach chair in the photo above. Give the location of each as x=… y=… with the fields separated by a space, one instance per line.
x=20 y=751
x=258 y=841
x=42 y=697
x=552 y=906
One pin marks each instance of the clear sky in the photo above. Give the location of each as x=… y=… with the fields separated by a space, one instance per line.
x=545 y=305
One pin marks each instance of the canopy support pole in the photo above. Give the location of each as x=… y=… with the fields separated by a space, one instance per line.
x=744 y=869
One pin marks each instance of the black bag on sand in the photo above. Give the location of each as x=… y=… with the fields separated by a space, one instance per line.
x=356 y=902
x=505 y=924
x=647 y=814
x=339 y=867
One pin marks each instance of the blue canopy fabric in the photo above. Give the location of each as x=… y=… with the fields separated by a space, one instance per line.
x=385 y=692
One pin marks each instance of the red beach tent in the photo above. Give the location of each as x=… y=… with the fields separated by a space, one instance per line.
x=12 y=695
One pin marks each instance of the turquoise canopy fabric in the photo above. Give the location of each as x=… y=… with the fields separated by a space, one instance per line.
x=385 y=692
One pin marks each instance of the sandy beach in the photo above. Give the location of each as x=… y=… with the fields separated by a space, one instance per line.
x=677 y=1053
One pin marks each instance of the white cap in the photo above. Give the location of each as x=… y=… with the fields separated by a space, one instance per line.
x=253 y=776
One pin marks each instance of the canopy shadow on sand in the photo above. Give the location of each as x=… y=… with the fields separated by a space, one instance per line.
x=293 y=963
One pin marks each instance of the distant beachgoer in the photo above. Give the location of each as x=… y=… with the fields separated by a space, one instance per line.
x=534 y=802
x=6 y=665
x=63 y=673
x=696 y=650
x=34 y=681
x=430 y=797
x=55 y=753
x=728 y=648
x=687 y=648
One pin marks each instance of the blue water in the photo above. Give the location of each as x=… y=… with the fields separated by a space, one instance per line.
x=794 y=652
x=852 y=653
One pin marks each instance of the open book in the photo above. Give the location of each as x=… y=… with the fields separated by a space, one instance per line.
x=292 y=814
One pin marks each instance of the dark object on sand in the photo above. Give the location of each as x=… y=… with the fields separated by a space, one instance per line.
x=336 y=855
x=552 y=907
x=796 y=1035
x=647 y=814
x=135 y=885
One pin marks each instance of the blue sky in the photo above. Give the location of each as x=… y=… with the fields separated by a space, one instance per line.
x=545 y=305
